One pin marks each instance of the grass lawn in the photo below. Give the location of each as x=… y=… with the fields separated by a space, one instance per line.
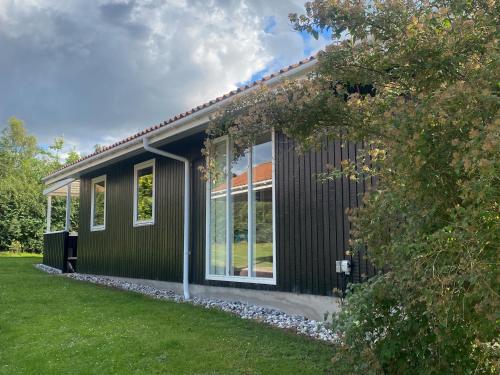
x=52 y=324
x=21 y=255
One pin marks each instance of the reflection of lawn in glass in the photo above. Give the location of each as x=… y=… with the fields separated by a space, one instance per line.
x=264 y=256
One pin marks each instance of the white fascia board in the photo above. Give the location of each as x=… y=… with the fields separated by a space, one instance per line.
x=136 y=144
x=57 y=185
x=197 y=119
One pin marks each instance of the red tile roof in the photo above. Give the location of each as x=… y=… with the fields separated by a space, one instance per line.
x=190 y=112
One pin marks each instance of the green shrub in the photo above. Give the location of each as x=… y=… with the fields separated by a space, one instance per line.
x=22 y=203
x=417 y=83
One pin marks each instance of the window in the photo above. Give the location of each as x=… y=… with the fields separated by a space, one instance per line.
x=98 y=204
x=240 y=214
x=144 y=193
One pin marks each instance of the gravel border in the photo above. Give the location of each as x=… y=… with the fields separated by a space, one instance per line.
x=276 y=318
x=48 y=269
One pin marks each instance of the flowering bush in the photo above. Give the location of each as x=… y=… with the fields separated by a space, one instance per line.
x=417 y=82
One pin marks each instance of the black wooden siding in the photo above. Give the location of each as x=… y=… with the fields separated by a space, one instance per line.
x=53 y=249
x=311 y=224
x=150 y=251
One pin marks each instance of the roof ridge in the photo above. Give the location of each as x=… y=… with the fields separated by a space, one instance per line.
x=190 y=112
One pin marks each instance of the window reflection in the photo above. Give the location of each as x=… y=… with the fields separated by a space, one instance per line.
x=262 y=203
x=250 y=215
x=145 y=194
x=218 y=212
x=99 y=201
x=239 y=196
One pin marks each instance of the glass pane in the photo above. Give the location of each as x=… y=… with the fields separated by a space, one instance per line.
x=218 y=193
x=262 y=199
x=99 y=194
x=239 y=196
x=58 y=213
x=145 y=194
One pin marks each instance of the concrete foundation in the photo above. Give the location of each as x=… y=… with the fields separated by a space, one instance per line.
x=310 y=306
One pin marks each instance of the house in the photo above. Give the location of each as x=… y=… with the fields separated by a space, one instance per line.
x=264 y=230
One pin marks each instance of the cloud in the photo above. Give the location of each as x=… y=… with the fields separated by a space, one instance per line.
x=96 y=71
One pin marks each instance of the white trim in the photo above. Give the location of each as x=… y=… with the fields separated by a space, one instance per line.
x=138 y=167
x=57 y=185
x=48 y=192
x=49 y=218
x=208 y=239
x=250 y=209
x=193 y=121
x=229 y=209
x=208 y=228
x=56 y=231
x=273 y=163
x=49 y=213
x=243 y=279
x=67 y=222
x=229 y=241
x=103 y=178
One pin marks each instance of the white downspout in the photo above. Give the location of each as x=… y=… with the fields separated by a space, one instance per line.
x=187 y=170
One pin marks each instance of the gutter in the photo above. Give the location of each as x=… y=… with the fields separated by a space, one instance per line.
x=187 y=217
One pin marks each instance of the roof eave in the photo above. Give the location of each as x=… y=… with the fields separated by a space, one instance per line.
x=184 y=124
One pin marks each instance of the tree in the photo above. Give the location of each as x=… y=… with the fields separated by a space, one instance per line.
x=73 y=156
x=22 y=203
x=21 y=206
x=16 y=140
x=417 y=82
x=57 y=147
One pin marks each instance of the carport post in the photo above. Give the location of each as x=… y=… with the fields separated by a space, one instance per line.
x=68 y=208
x=49 y=211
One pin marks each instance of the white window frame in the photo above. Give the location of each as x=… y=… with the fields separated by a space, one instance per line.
x=137 y=168
x=94 y=228
x=227 y=277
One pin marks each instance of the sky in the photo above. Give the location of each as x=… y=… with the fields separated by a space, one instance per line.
x=96 y=71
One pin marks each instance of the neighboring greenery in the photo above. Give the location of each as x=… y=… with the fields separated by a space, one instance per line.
x=263 y=220
x=56 y=325
x=22 y=205
x=99 y=203
x=417 y=83
x=145 y=194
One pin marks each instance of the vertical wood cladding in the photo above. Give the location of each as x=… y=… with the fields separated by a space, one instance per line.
x=149 y=251
x=312 y=229
x=312 y=224
x=54 y=248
